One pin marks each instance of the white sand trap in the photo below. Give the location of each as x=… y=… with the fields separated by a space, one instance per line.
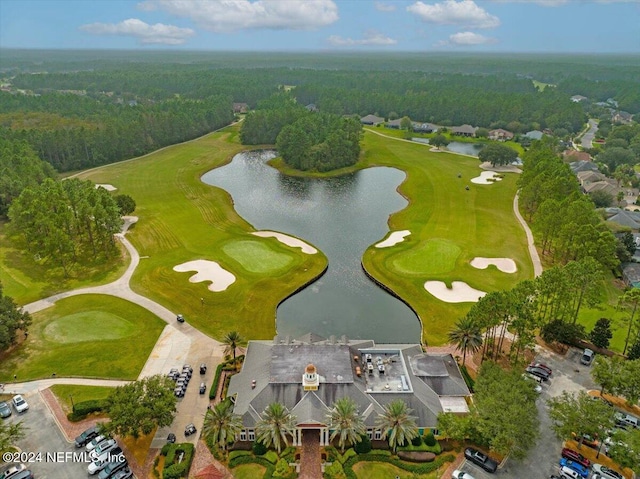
x=506 y=265
x=460 y=292
x=220 y=278
x=288 y=240
x=107 y=187
x=393 y=239
x=484 y=178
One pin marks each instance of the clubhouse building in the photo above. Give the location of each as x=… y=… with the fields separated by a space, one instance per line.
x=308 y=374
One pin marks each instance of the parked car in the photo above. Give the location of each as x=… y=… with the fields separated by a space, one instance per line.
x=539 y=372
x=481 y=459
x=576 y=466
x=567 y=473
x=100 y=462
x=575 y=456
x=115 y=464
x=461 y=475
x=180 y=318
x=171 y=438
x=531 y=378
x=94 y=442
x=12 y=471
x=103 y=447
x=607 y=473
x=203 y=368
x=173 y=374
x=26 y=474
x=125 y=473
x=87 y=436
x=203 y=388
x=5 y=410
x=625 y=420
x=542 y=366
x=187 y=367
x=190 y=429
x=178 y=392
x=587 y=357
x=19 y=403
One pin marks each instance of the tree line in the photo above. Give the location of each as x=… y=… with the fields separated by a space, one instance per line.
x=66 y=222
x=84 y=132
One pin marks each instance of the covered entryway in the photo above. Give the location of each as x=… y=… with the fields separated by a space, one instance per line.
x=310 y=461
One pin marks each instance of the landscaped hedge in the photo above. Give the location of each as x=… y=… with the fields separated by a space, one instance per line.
x=376 y=457
x=234 y=454
x=82 y=409
x=467 y=378
x=228 y=365
x=240 y=460
x=173 y=470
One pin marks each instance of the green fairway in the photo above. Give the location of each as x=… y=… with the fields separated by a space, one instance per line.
x=182 y=219
x=449 y=226
x=87 y=335
x=433 y=256
x=65 y=393
x=257 y=257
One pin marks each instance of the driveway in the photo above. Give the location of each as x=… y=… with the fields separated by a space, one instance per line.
x=587 y=138
x=542 y=461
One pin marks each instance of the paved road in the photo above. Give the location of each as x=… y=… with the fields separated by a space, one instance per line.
x=533 y=252
x=587 y=138
x=542 y=461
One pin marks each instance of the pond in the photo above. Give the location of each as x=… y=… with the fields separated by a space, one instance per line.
x=342 y=216
x=457 y=146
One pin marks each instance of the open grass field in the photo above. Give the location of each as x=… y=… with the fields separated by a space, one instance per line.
x=87 y=335
x=249 y=471
x=449 y=226
x=26 y=280
x=64 y=393
x=182 y=219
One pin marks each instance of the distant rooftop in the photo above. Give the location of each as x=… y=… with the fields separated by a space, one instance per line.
x=332 y=361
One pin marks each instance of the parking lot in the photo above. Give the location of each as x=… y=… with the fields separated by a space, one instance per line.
x=542 y=461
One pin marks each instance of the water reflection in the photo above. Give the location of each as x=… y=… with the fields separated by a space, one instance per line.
x=342 y=216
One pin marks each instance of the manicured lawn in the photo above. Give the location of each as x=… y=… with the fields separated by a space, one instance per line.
x=182 y=219
x=256 y=256
x=448 y=225
x=249 y=471
x=26 y=280
x=64 y=393
x=112 y=338
x=383 y=470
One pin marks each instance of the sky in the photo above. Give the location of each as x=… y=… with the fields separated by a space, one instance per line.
x=558 y=26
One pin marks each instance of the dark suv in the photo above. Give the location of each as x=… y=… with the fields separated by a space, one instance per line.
x=480 y=459
x=86 y=437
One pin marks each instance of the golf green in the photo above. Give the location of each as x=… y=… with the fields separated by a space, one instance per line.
x=256 y=257
x=88 y=326
x=434 y=256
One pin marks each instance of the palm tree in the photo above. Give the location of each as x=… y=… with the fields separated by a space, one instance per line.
x=275 y=425
x=466 y=336
x=221 y=425
x=232 y=342
x=397 y=424
x=346 y=422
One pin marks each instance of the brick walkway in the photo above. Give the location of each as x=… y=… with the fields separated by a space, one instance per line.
x=203 y=459
x=310 y=462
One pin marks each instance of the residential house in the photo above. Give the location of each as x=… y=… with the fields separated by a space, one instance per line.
x=607 y=185
x=395 y=124
x=500 y=135
x=424 y=127
x=371 y=120
x=311 y=107
x=308 y=375
x=631 y=274
x=588 y=177
x=464 y=130
x=575 y=155
x=630 y=219
x=622 y=117
x=534 y=135
x=240 y=108
x=582 y=165
x=578 y=98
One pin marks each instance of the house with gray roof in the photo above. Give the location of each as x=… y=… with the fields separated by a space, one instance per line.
x=464 y=130
x=631 y=274
x=578 y=166
x=395 y=124
x=371 y=120
x=534 y=134
x=309 y=374
x=627 y=218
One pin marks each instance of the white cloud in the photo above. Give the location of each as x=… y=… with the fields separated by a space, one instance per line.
x=233 y=15
x=451 y=12
x=370 y=38
x=145 y=33
x=385 y=7
x=469 y=38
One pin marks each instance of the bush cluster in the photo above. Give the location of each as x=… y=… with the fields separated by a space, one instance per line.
x=174 y=470
x=82 y=409
x=378 y=457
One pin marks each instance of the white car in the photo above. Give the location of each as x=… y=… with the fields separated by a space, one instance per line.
x=568 y=473
x=19 y=403
x=95 y=442
x=461 y=475
x=102 y=448
x=99 y=464
x=13 y=471
x=605 y=472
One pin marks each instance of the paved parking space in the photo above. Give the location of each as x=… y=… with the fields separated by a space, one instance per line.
x=51 y=456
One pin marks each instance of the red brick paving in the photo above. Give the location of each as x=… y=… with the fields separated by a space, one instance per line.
x=310 y=461
x=203 y=459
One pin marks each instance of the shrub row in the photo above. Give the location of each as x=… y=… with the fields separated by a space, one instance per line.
x=82 y=409
x=377 y=457
x=228 y=365
x=467 y=378
x=174 y=470
x=240 y=460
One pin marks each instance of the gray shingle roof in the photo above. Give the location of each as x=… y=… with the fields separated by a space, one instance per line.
x=627 y=218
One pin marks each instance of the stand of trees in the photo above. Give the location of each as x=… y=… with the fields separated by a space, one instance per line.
x=12 y=319
x=66 y=222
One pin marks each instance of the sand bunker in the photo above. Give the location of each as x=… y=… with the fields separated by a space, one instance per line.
x=460 y=292
x=485 y=177
x=394 y=238
x=107 y=187
x=288 y=240
x=506 y=265
x=220 y=278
